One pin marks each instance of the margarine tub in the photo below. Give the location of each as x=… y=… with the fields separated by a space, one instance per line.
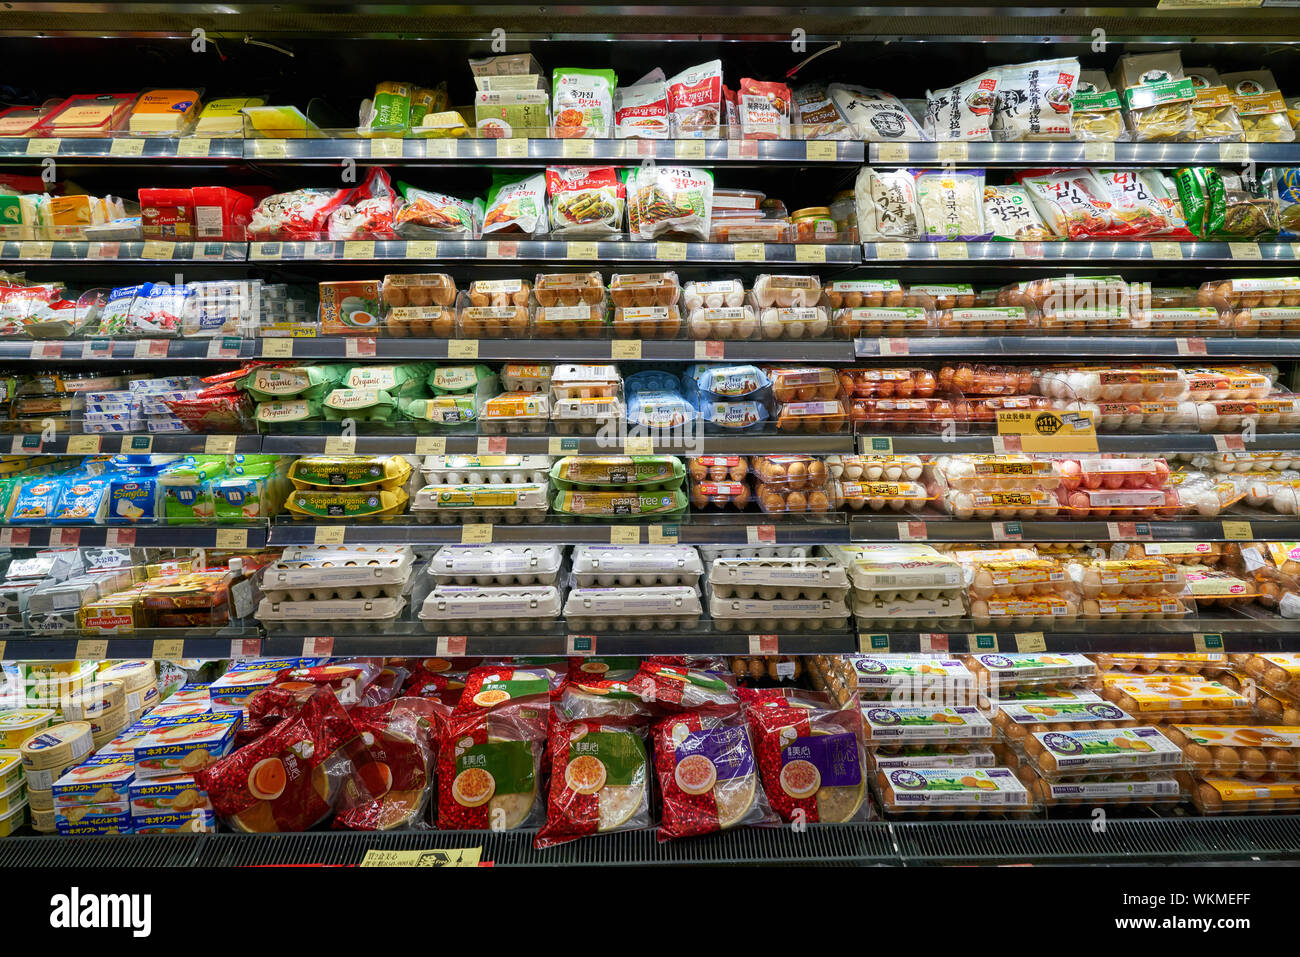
x=48 y=692
x=16 y=818
x=11 y=769
x=13 y=797
x=322 y=503
x=19 y=725
x=96 y=702
x=133 y=675
x=42 y=820
x=57 y=746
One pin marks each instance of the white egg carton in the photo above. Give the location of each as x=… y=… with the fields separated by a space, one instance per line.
x=908 y=613
x=771 y=578
x=351 y=615
x=632 y=609
x=485 y=469
x=932 y=756
x=753 y=614
x=484 y=608
x=902 y=571
x=714 y=552
x=577 y=381
x=494 y=504
x=337 y=572
x=496 y=564
x=585 y=416
x=714 y=294
x=636 y=565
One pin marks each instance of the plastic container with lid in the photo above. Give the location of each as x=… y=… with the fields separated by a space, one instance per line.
x=57 y=746
x=646 y=322
x=585 y=416
x=900 y=674
x=635 y=565
x=1209 y=664
x=569 y=289
x=1244 y=751
x=708 y=494
x=418 y=289
x=1133 y=578
x=644 y=289
x=1277 y=671
x=15 y=819
x=570 y=322
x=1061 y=755
x=337 y=572
x=633 y=608
x=1222 y=795
x=1010 y=671
x=966 y=790
x=492 y=321
x=515 y=413
x=880 y=496
x=1062 y=710
x=815 y=224
x=876 y=612
x=1180 y=699
x=16 y=726
x=1247 y=293
x=901 y=570
x=789 y=472
x=479 y=608
x=495 y=564
x=484 y=469
x=884 y=722
x=772 y=578
x=11 y=770
x=931 y=755
x=352 y=615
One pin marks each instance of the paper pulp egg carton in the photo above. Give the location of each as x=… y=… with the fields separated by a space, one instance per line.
x=769 y=579
x=753 y=614
x=486 y=608
x=874 y=612
x=643 y=608
x=500 y=503
x=712 y=553
x=342 y=616
x=485 y=469
x=636 y=565
x=496 y=565
x=338 y=572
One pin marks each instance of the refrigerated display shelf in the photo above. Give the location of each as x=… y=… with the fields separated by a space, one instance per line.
x=28 y=251
x=16 y=349
x=235 y=641
x=1092 y=252
x=1026 y=347
x=74 y=443
x=125 y=148
x=1081 y=153
x=1237 y=523
x=1189 y=635
x=135 y=536
x=1166 y=443
x=752 y=443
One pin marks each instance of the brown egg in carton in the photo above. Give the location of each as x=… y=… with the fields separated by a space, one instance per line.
x=766 y=667
x=419 y=289
x=851 y=322
x=854 y=293
x=1246 y=751
x=644 y=289
x=1208 y=665
x=708 y=493
x=935 y=296
x=570 y=321
x=1069 y=293
x=987 y=320
x=508 y=321
x=569 y=289
x=1248 y=293
x=790 y=472
x=1021 y=733
x=499 y=292
x=1237 y=795
x=718 y=468
x=1264 y=320
x=981 y=800
x=647 y=322
x=1279 y=673
x=775 y=500
x=437 y=321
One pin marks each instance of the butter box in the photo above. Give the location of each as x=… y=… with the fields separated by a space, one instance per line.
x=93 y=819
x=103 y=779
x=185 y=744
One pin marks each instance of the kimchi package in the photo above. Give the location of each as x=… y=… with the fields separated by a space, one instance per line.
x=695 y=102
x=641 y=110
x=516 y=205
x=664 y=200
x=583 y=104
x=585 y=201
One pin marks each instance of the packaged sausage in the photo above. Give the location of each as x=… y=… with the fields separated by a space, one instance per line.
x=1158 y=97
x=583 y=104
x=1260 y=106
x=695 y=102
x=964 y=112
x=1034 y=101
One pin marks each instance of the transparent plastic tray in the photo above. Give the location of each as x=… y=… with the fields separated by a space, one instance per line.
x=341 y=573
x=484 y=469
x=1236 y=750
x=1181 y=699
x=1145 y=788
x=1040 y=611
x=496 y=564
x=774 y=578
x=714 y=552
x=1017 y=718
x=1158 y=662
x=890 y=756
x=1278 y=672
x=1216 y=795
x=890 y=672
x=636 y=565
x=740 y=614
x=354 y=614
x=499 y=607
x=632 y=609
x=967 y=790
x=512 y=504
x=1063 y=755
x=1149 y=577
x=1015 y=670
x=887 y=722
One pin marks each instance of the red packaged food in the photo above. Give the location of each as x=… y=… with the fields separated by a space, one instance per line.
x=167 y=213
x=490 y=767
x=367 y=212
x=670 y=688
x=401 y=740
x=492 y=686
x=764 y=109
x=221 y=213
x=214 y=410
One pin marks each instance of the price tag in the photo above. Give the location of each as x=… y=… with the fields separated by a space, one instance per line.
x=953 y=152
x=760 y=534
x=1234 y=152
x=137 y=444
x=1100 y=152
x=891 y=251
x=493 y=444
x=1190 y=347
x=638 y=445
x=359 y=249
x=742 y=149
x=512 y=148
x=499 y=250
x=31 y=250
x=809 y=253
x=1229 y=443
x=891 y=152
x=440 y=149
x=151 y=349
x=168 y=649
x=1237 y=531
x=562 y=445
x=224 y=347
x=624 y=535
x=872 y=444
x=1049 y=430
x=44 y=146
x=1207 y=644
x=982 y=642
x=663 y=535
x=1026 y=250
x=277 y=348
x=119 y=537
x=762 y=644
x=329 y=535
x=318 y=646
x=126 y=147
x=265 y=251
x=245 y=647
x=269 y=149
x=1129 y=531
x=15 y=537
x=580 y=644
x=625 y=349
x=360 y=347
x=385 y=148
x=820 y=151
x=1166 y=250
x=340 y=445
x=933 y=643
x=579 y=149
x=65 y=537
x=688 y=149
x=912 y=532
x=46 y=350
x=92 y=648
x=83 y=444
x=869 y=643
x=431 y=445
x=951 y=251
x=895 y=347
x=231 y=538
x=1245 y=251
x=1007 y=532
x=450 y=646
x=97 y=349
x=710 y=349
x=1030 y=642
x=421 y=249
x=670 y=252
x=476 y=534
x=193 y=147
x=583 y=251
x=749 y=252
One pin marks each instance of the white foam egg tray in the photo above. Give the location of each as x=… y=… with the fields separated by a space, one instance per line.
x=773 y=578
x=500 y=503
x=496 y=564
x=485 y=469
x=337 y=573
x=350 y=614
x=482 y=608
x=750 y=614
x=912 y=613
x=713 y=552
x=636 y=565
x=632 y=609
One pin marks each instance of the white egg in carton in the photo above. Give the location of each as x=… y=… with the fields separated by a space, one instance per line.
x=1115 y=384
x=754 y=614
x=337 y=572
x=485 y=469
x=771 y=578
x=496 y=564
x=903 y=571
x=1230 y=415
x=632 y=609
x=878 y=612
x=484 y=608
x=340 y=615
x=722 y=322
x=713 y=552
x=636 y=565
x=493 y=504
x=793 y=322
x=716 y=294
x=1246 y=461
x=875 y=468
x=574 y=381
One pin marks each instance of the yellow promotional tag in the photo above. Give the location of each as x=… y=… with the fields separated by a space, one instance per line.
x=951 y=250
x=624 y=535
x=385 y=148
x=891 y=251
x=92 y=648
x=219 y=445
x=891 y=152
x=579 y=149
x=1237 y=531
x=1166 y=250
x=448 y=857
x=440 y=149
x=688 y=149
x=44 y=146
x=476 y=534
x=670 y=252
x=340 y=445
x=359 y=249
x=625 y=349
x=158 y=250
x=277 y=348
x=1234 y=152
x=639 y=445
x=953 y=152
x=512 y=149
x=1050 y=430
x=421 y=249
x=749 y=252
x=1099 y=152
x=269 y=149
x=83 y=444
x=1245 y=251
x=582 y=251
x=193 y=147
x=329 y=535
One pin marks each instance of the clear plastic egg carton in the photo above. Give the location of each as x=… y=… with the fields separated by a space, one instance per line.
x=482 y=609
x=341 y=616
x=340 y=572
x=493 y=504
x=485 y=469
x=1103 y=749
x=496 y=565
x=627 y=566
x=772 y=578
x=756 y=614
x=875 y=614
x=661 y=608
x=930 y=755
x=885 y=722
x=903 y=572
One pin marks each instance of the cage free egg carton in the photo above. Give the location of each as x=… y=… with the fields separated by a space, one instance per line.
x=643 y=608
x=488 y=608
x=496 y=564
x=769 y=579
x=750 y=614
x=636 y=565
x=326 y=572
x=485 y=469
x=500 y=503
x=712 y=553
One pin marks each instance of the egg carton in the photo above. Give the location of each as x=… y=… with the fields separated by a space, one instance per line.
x=752 y=614
x=485 y=469
x=899 y=570
x=885 y=722
x=714 y=552
x=515 y=414
x=947 y=791
x=1060 y=755
x=773 y=578
x=494 y=504
x=342 y=616
x=914 y=613
x=522 y=377
x=496 y=564
x=887 y=757
x=489 y=608
x=636 y=565
x=632 y=609
x=585 y=416
x=342 y=573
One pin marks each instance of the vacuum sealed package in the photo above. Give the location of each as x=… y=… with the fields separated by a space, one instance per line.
x=963 y=112
x=1034 y=101
x=583 y=102
x=816 y=116
x=876 y=116
x=887 y=206
x=1213 y=110
x=695 y=102
x=1158 y=97
x=764 y=108
x=951 y=204
x=1260 y=106
x=1095 y=109
x=641 y=110
x=424 y=213
x=516 y=205
x=585 y=200
x=1009 y=213
x=1227 y=206
x=1135 y=208
x=1072 y=202
x=669 y=199
x=1283 y=185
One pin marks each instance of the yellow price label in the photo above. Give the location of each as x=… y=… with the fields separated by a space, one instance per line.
x=891 y=152
x=1099 y=152
x=891 y=250
x=219 y=445
x=820 y=151
x=809 y=253
x=670 y=252
x=431 y=445
x=1030 y=642
x=625 y=349
x=579 y=149
x=359 y=249
x=476 y=534
x=431 y=857
x=662 y=535
x=277 y=348
x=126 y=147
x=1234 y=152
x=421 y=249
x=340 y=445
x=2 y=651
x=92 y=648
x=440 y=149
x=1166 y=250
x=749 y=252
x=1245 y=251
x=638 y=445
x=193 y=147
x=169 y=649
x=41 y=250
x=155 y=249
x=580 y=250
x=1050 y=430
x=329 y=535
x=269 y=149
x=44 y=146
x=512 y=149
x=462 y=348
x=688 y=149
x=83 y=444
x=624 y=535
x=1237 y=531
x=232 y=538
x=951 y=250
x=385 y=148
x=953 y=152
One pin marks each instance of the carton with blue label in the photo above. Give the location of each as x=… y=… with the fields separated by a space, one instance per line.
x=92 y=820
x=101 y=779
x=173 y=794
x=232 y=690
x=197 y=821
x=185 y=744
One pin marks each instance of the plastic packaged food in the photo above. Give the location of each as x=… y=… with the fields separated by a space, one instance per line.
x=495 y=565
x=669 y=200
x=427 y=214
x=1056 y=710
x=1216 y=795
x=964 y=112
x=484 y=469
x=1169 y=698
x=641 y=110
x=1062 y=755
x=583 y=102
x=969 y=790
x=808 y=614
x=695 y=102
x=632 y=609
x=1034 y=101
x=1214 y=113
x=631 y=504
x=876 y=116
x=609 y=565
x=887 y=206
x=585 y=201
x=516 y=205
x=1244 y=751
x=1095 y=113
x=483 y=608
x=510 y=503
x=1010 y=214
x=816 y=116
x=1260 y=106
x=1008 y=672
x=645 y=472
x=1158 y=97
x=951 y=204
x=1223 y=205
x=925 y=724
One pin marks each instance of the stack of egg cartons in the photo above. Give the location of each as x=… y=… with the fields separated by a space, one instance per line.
x=493 y=489
x=352 y=588
x=634 y=588
x=525 y=404
x=803 y=593
x=492 y=588
x=903 y=586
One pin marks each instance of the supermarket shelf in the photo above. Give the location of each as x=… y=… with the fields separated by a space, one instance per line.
x=935 y=527
x=125 y=148
x=154 y=251
x=136 y=536
x=189 y=443
x=1070 y=346
x=963 y=254
x=1124 y=154
x=231 y=642
x=1166 y=443
x=218 y=348
x=753 y=443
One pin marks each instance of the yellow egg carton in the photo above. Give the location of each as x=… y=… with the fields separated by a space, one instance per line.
x=1216 y=795
x=1130 y=578
x=1239 y=750
x=1278 y=672
x=1179 y=698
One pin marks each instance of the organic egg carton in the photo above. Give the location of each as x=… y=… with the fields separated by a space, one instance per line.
x=496 y=564
x=480 y=608
x=771 y=578
x=496 y=504
x=756 y=614
x=947 y=612
x=632 y=609
x=636 y=565
x=340 y=573
x=343 y=616
x=485 y=469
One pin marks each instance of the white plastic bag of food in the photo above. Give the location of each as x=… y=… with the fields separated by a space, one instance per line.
x=1033 y=100
x=876 y=116
x=951 y=204
x=1009 y=213
x=695 y=102
x=641 y=110
x=584 y=200
x=516 y=205
x=887 y=209
x=670 y=199
x=963 y=112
